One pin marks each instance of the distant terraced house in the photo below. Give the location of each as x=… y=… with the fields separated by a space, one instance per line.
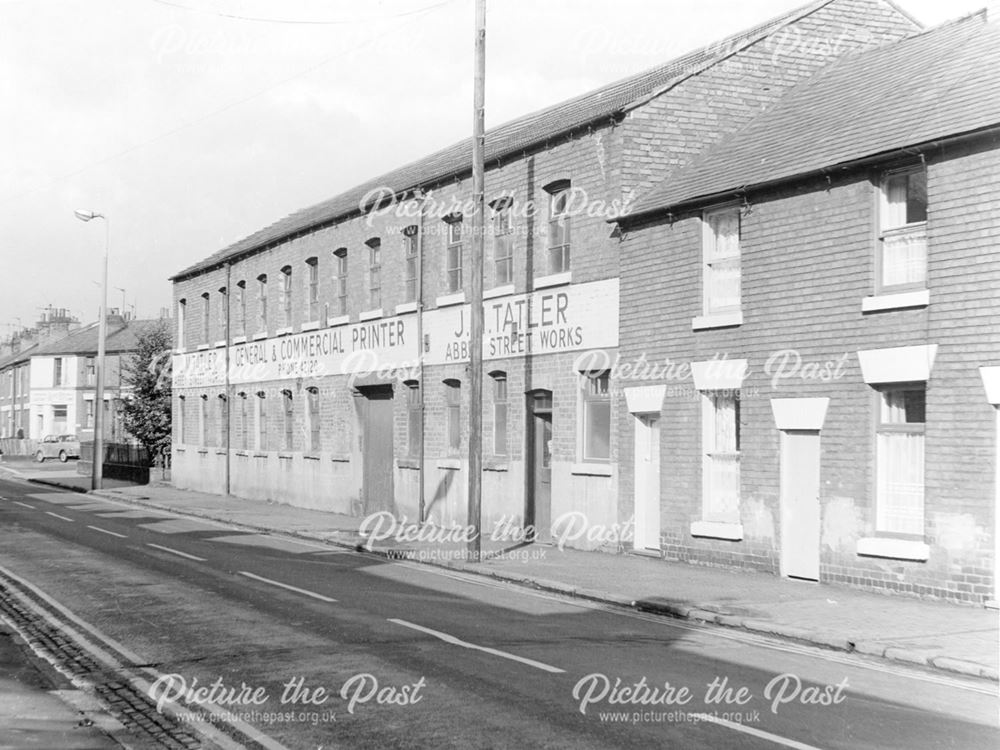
x=50 y=387
x=322 y=360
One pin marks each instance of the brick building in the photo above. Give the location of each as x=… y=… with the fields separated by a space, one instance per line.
x=322 y=360
x=820 y=293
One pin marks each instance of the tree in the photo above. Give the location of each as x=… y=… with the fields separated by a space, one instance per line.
x=146 y=409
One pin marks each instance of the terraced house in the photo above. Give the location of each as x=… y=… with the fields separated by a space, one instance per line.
x=322 y=360
x=829 y=278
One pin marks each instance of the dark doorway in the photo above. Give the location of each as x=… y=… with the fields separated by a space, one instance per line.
x=539 y=465
x=376 y=448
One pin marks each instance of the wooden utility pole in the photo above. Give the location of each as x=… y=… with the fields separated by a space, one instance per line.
x=476 y=303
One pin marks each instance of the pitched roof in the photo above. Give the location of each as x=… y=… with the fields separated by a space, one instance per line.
x=120 y=338
x=940 y=83
x=511 y=137
x=17 y=357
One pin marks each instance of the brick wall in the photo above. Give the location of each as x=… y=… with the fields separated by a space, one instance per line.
x=807 y=263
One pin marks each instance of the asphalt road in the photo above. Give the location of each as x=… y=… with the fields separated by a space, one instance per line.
x=339 y=649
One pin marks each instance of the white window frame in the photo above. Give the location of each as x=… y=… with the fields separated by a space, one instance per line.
x=503 y=245
x=899 y=434
x=287 y=420
x=260 y=436
x=285 y=293
x=411 y=250
x=558 y=254
x=313 y=417
x=897 y=230
x=591 y=396
x=501 y=413
x=453 y=416
x=453 y=255
x=312 y=288
x=374 y=273
x=712 y=258
x=340 y=279
x=262 y=302
x=206 y=318
x=720 y=462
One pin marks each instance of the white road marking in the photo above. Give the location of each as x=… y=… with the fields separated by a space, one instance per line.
x=778 y=739
x=56 y=515
x=485 y=649
x=297 y=590
x=18 y=502
x=105 y=531
x=176 y=552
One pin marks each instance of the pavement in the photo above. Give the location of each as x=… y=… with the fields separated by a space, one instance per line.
x=40 y=709
x=935 y=635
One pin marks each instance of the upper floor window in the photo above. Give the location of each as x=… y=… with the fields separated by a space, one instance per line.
x=262 y=302
x=286 y=294
x=499 y=413
x=181 y=320
x=206 y=317
x=559 y=226
x=899 y=458
x=221 y=420
x=411 y=246
x=57 y=371
x=241 y=307
x=244 y=421
x=374 y=273
x=223 y=309
x=340 y=279
x=721 y=246
x=261 y=443
x=902 y=252
x=453 y=412
x=596 y=425
x=453 y=261
x=203 y=421
x=503 y=245
x=90 y=370
x=312 y=266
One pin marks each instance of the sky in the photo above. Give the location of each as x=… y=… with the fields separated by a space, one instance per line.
x=190 y=124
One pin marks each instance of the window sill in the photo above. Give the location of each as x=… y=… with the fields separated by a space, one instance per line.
x=717 y=320
x=495 y=464
x=406 y=307
x=203 y=347
x=898 y=301
x=499 y=291
x=203 y=451
x=243 y=453
x=312 y=325
x=283 y=331
x=340 y=458
x=239 y=340
x=340 y=320
x=449 y=463
x=220 y=453
x=446 y=300
x=260 y=454
x=180 y=350
x=407 y=463
x=731 y=532
x=589 y=469
x=285 y=456
x=310 y=456
x=260 y=335
x=553 y=279
x=370 y=314
x=895 y=549
x=179 y=449
x=219 y=344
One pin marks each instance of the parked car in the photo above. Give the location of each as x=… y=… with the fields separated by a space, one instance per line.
x=63 y=447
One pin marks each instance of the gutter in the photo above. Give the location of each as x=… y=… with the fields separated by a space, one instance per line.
x=737 y=191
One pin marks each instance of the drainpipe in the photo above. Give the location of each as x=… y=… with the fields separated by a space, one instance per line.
x=228 y=399
x=420 y=355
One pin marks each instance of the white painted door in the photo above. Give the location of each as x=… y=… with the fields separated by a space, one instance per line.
x=800 y=517
x=647 y=482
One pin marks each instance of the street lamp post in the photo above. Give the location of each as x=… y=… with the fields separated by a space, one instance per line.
x=97 y=470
